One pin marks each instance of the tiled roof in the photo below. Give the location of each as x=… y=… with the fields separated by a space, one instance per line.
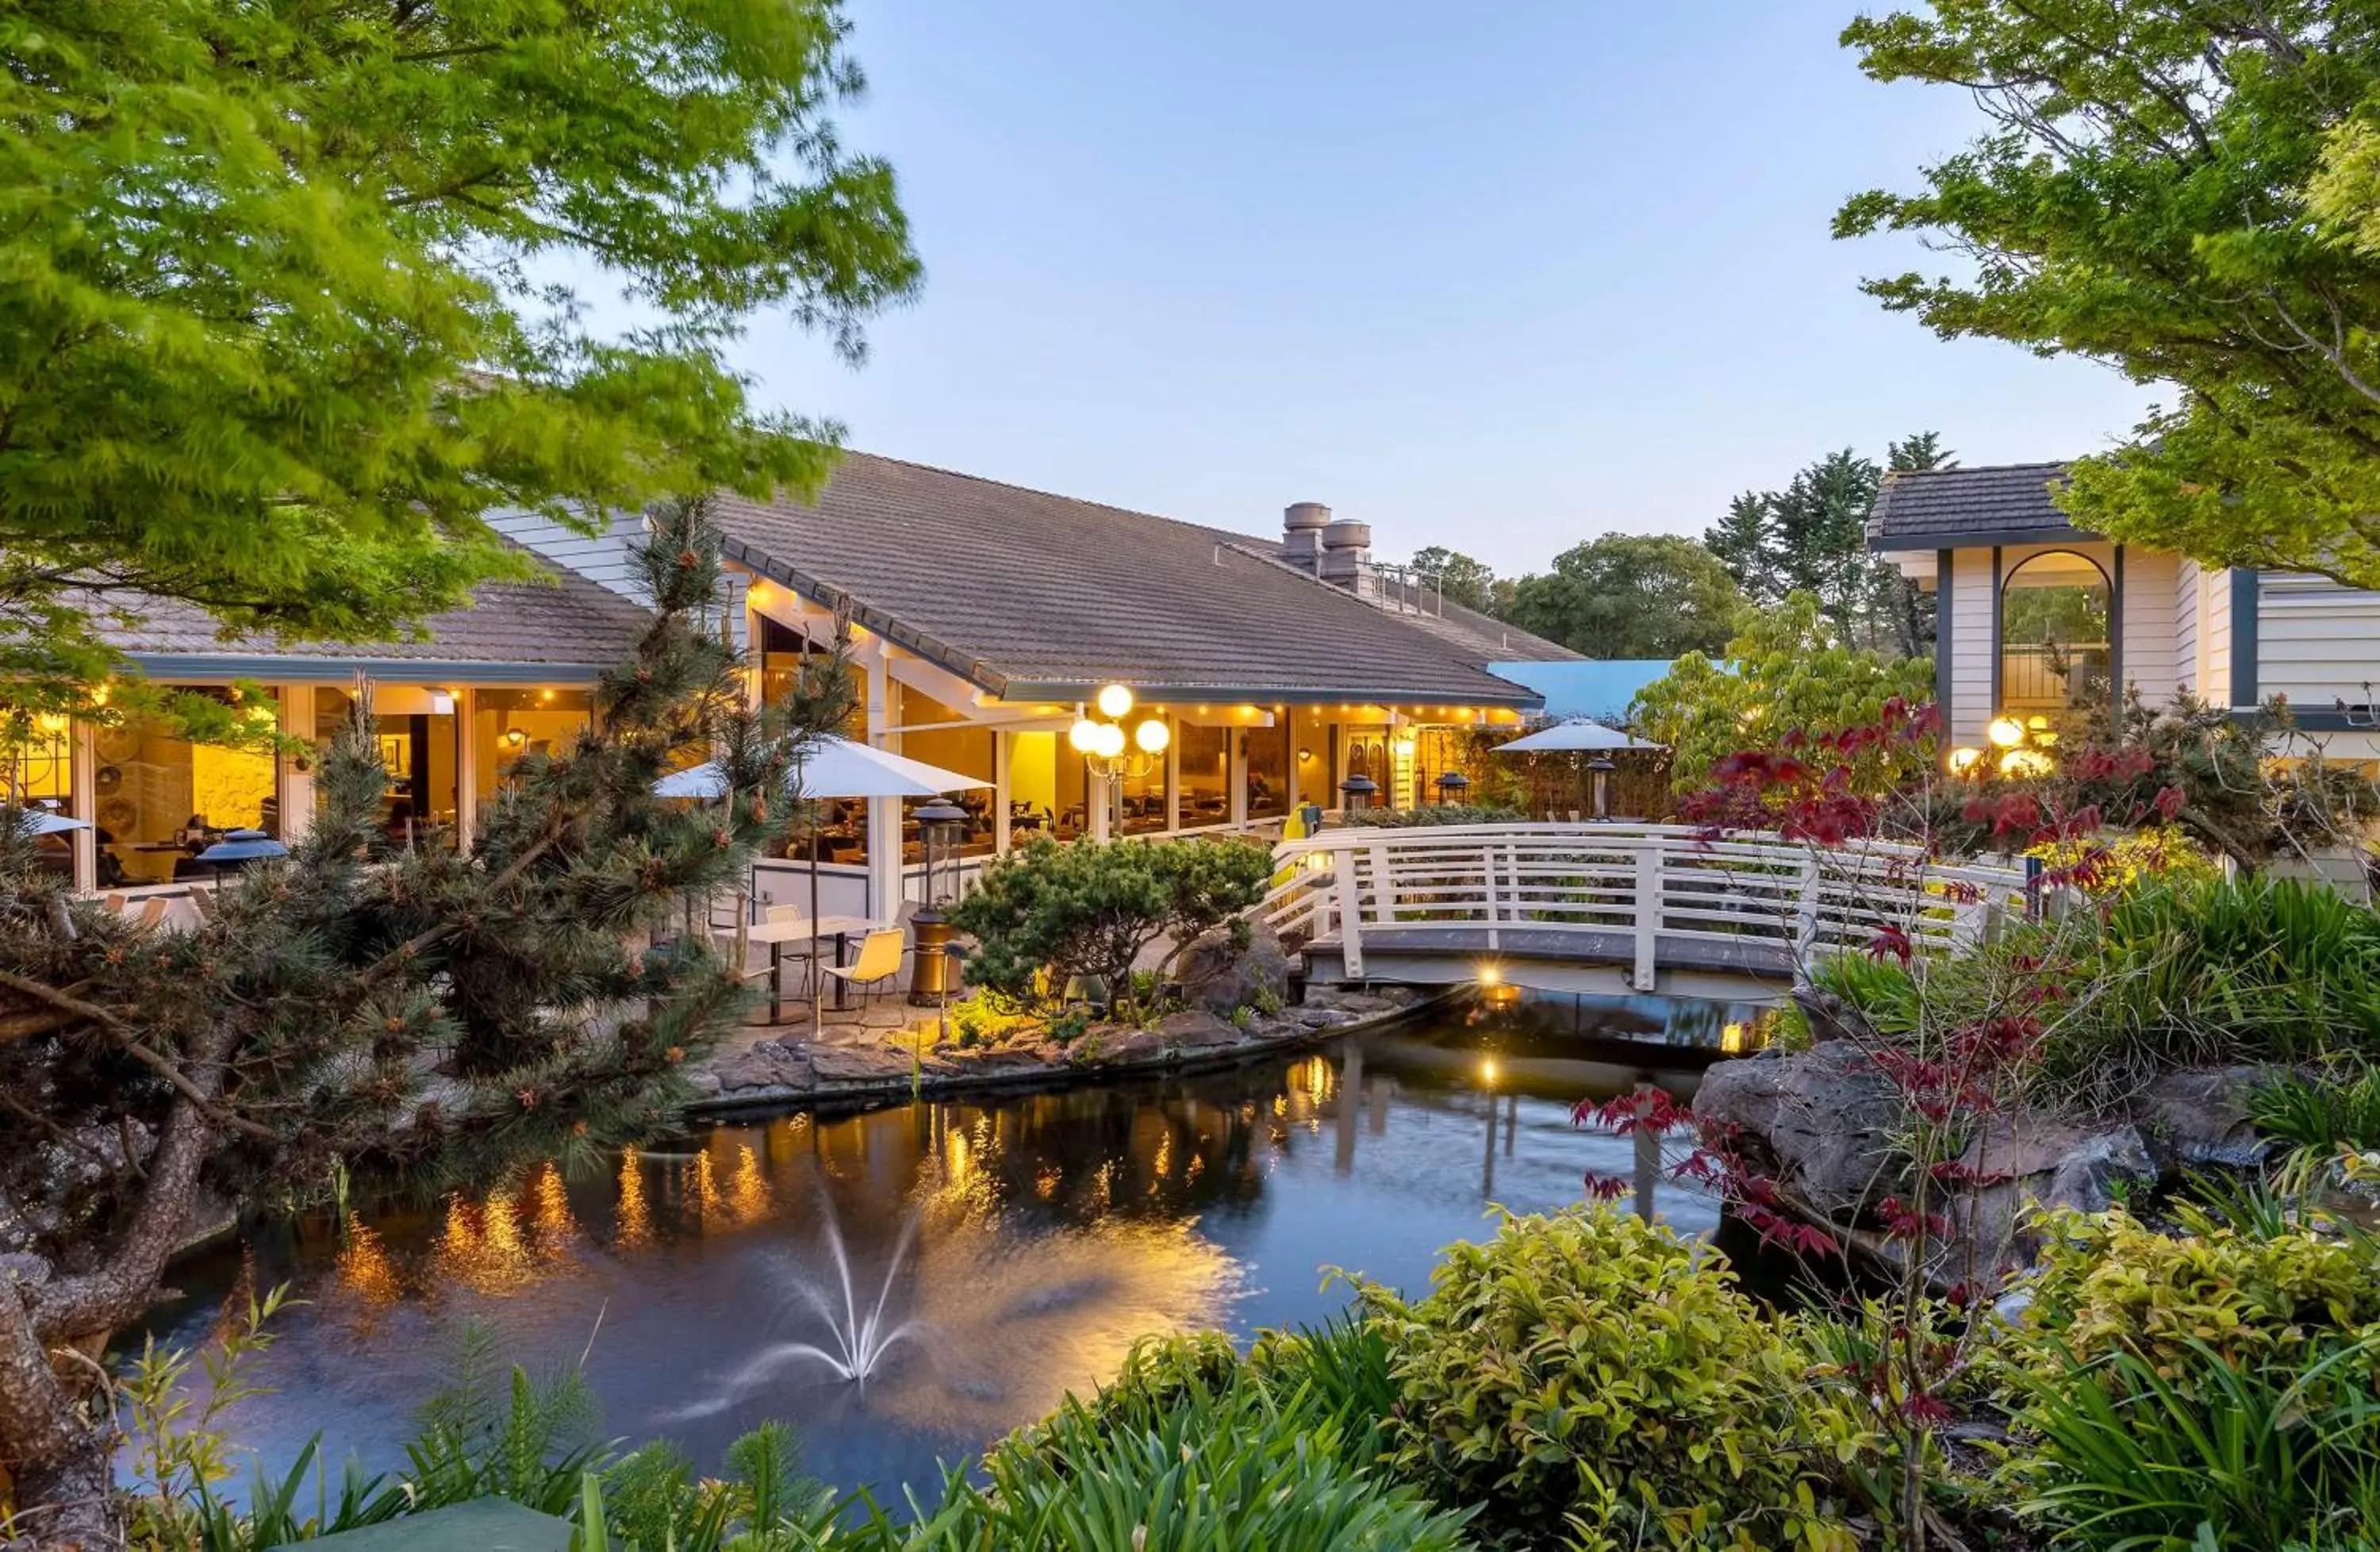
x=1032 y=594
x=567 y=621
x=1938 y=508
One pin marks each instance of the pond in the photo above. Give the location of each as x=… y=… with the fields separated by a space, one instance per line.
x=979 y=1259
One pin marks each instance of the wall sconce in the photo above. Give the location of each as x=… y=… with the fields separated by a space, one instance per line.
x=1306 y=757
x=516 y=737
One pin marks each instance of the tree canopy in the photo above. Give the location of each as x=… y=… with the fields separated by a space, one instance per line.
x=2188 y=191
x=1810 y=537
x=1461 y=579
x=1630 y=596
x=283 y=306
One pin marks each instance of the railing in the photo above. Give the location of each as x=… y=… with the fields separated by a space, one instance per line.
x=1662 y=889
x=2042 y=678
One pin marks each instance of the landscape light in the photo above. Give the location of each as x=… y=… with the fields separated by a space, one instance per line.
x=1964 y=760
x=2006 y=733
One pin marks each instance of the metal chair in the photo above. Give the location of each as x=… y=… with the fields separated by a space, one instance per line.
x=806 y=953
x=878 y=962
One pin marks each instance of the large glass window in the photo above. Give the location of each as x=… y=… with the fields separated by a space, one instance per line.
x=160 y=800
x=507 y=726
x=967 y=751
x=2054 y=636
x=1269 y=757
x=37 y=771
x=416 y=728
x=1206 y=775
x=1142 y=799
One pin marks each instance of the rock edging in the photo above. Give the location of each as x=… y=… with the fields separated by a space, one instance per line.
x=791 y=1074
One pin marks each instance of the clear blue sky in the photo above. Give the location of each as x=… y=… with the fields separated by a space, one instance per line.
x=1501 y=276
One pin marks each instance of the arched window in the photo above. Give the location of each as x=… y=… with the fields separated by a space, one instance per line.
x=2055 y=652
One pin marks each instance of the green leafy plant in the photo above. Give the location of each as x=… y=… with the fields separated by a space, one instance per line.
x=1431 y=815
x=1593 y=1369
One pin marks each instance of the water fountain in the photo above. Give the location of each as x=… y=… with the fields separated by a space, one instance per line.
x=861 y=1343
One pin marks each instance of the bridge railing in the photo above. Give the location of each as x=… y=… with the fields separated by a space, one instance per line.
x=1662 y=886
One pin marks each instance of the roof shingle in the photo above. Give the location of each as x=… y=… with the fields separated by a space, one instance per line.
x=1035 y=594
x=1927 y=509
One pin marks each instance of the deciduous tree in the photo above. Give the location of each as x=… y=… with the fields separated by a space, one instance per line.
x=1462 y=579
x=284 y=302
x=2188 y=191
x=1630 y=596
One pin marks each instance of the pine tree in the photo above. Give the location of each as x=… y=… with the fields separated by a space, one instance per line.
x=424 y=1020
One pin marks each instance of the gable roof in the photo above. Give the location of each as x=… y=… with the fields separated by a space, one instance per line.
x=1043 y=597
x=1935 y=509
x=564 y=627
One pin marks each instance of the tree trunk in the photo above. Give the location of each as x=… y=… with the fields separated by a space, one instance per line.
x=64 y=1481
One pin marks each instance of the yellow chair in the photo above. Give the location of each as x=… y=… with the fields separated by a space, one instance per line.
x=879 y=960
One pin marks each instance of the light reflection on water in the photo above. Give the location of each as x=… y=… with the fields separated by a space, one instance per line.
x=1051 y=1231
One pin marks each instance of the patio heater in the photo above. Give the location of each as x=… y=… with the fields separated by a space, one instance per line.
x=942 y=827
x=1601 y=770
x=1454 y=786
x=1356 y=794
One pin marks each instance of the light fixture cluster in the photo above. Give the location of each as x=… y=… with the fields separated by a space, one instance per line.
x=1105 y=741
x=2018 y=747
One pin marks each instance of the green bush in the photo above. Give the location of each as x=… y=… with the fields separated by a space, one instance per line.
x=2221 y=1388
x=1431 y=814
x=2325 y=1112
x=1055 y=910
x=1591 y=1369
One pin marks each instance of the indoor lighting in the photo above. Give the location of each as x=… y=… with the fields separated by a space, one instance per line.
x=1115 y=701
x=1304 y=757
x=1152 y=736
x=516 y=737
x=2005 y=732
x=1404 y=748
x=1964 y=760
x=51 y=722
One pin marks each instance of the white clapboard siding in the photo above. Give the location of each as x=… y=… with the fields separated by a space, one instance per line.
x=2316 y=642
x=607 y=559
x=2151 y=661
x=2215 y=637
x=2187 y=584
x=1973 y=639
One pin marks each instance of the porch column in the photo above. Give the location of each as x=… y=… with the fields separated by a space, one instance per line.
x=1174 y=776
x=294 y=789
x=82 y=785
x=1004 y=749
x=1098 y=796
x=883 y=813
x=1235 y=773
x=467 y=770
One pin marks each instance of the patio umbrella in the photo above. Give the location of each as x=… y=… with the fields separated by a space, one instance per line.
x=41 y=822
x=241 y=845
x=833 y=768
x=1572 y=737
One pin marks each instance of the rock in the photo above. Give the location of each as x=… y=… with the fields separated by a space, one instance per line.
x=1219 y=975
x=1134 y=1044
x=769 y=1065
x=1321 y=1018
x=2200 y=1117
x=1820 y=1122
x=2049 y=1164
x=1829 y=1017
x=704 y=1082
x=1354 y=1002
x=858 y=1064
x=1196 y=1029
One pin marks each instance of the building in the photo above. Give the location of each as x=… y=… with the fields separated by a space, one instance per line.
x=981 y=617
x=2036 y=616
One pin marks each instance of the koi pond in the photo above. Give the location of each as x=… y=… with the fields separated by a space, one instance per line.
x=906 y=1284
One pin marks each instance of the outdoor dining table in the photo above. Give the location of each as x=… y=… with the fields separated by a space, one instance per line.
x=777 y=934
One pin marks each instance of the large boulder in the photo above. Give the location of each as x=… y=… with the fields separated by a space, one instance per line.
x=1819 y=1123
x=1220 y=974
x=1197 y=1029
x=2031 y=1161
x=2199 y=1117
x=770 y=1065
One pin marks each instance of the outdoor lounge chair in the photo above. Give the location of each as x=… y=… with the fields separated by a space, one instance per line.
x=878 y=962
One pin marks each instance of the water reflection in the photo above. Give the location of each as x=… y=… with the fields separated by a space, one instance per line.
x=1044 y=1234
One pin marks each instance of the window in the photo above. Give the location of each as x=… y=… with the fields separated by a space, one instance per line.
x=1268 y=758
x=160 y=800
x=1206 y=774
x=2055 y=652
x=415 y=725
x=507 y=726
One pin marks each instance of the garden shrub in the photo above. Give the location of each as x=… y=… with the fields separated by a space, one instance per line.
x=1591 y=1369
x=2221 y=1388
x=1055 y=910
x=1428 y=814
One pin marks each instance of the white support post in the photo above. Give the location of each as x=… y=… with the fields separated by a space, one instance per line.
x=1235 y=754
x=82 y=778
x=1351 y=914
x=1100 y=798
x=1648 y=916
x=1384 y=886
x=1173 y=777
x=883 y=813
x=294 y=789
x=1003 y=750
x=466 y=769
x=1492 y=878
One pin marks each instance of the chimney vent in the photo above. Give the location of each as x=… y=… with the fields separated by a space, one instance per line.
x=1347 y=557
x=1301 y=524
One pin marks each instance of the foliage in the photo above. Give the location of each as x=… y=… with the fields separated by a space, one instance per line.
x=1460 y=578
x=2183 y=191
x=1591 y=1369
x=1786 y=672
x=1055 y=910
x=1811 y=537
x=287 y=307
x=2221 y=1388
x=1630 y=596
x=425 y=1022
x=2114 y=864
x=1429 y=814
x=2337 y=1108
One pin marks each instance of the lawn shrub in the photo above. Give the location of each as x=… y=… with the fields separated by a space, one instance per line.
x=1593 y=1370
x=1428 y=814
x=2217 y=1389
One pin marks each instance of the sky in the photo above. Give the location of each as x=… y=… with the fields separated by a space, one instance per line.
x=1500 y=276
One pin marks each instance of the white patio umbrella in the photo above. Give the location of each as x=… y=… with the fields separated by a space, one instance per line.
x=41 y=822
x=833 y=768
x=1572 y=737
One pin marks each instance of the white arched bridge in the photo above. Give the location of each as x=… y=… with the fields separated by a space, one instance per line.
x=1615 y=906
